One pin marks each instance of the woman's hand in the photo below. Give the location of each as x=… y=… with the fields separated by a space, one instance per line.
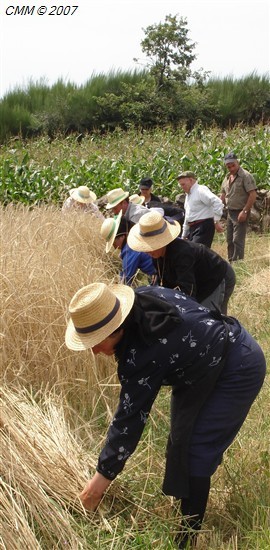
x=93 y=491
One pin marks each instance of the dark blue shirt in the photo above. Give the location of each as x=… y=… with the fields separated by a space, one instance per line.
x=184 y=357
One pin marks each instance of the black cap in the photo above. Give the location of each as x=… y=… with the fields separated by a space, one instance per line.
x=146 y=183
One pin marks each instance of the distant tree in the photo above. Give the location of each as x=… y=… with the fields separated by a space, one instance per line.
x=170 y=51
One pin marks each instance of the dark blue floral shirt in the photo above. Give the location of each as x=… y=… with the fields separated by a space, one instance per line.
x=182 y=357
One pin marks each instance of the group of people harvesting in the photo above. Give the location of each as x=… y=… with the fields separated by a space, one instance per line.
x=172 y=331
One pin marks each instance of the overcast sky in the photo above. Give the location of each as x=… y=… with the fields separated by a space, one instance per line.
x=232 y=37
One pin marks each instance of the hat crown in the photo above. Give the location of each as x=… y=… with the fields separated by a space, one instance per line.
x=146 y=183
x=116 y=195
x=91 y=306
x=230 y=157
x=187 y=174
x=83 y=194
x=151 y=223
x=136 y=199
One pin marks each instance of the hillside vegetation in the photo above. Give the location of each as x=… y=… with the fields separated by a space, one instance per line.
x=133 y=100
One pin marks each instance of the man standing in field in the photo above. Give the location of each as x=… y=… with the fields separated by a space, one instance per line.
x=238 y=193
x=203 y=210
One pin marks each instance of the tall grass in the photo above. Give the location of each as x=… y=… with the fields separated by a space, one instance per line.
x=56 y=405
x=60 y=108
x=239 y=99
x=66 y=107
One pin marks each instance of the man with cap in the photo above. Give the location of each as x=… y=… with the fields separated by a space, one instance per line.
x=115 y=231
x=203 y=210
x=81 y=199
x=118 y=200
x=190 y=267
x=238 y=193
x=145 y=191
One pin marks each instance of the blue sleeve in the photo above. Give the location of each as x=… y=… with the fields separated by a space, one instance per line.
x=146 y=264
x=132 y=261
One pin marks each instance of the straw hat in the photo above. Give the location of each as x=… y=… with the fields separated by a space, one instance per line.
x=152 y=232
x=109 y=230
x=137 y=199
x=83 y=194
x=115 y=196
x=96 y=311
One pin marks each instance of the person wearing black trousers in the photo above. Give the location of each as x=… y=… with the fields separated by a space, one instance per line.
x=159 y=337
x=191 y=267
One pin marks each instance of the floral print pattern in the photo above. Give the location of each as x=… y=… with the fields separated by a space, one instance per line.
x=182 y=357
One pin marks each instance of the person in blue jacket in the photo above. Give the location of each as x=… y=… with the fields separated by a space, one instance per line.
x=115 y=231
x=161 y=336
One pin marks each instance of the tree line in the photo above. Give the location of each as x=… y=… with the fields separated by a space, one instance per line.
x=165 y=93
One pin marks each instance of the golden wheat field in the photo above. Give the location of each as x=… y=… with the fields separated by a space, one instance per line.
x=56 y=404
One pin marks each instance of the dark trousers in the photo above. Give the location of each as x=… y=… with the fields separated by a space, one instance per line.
x=236 y=236
x=222 y=293
x=193 y=510
x=202 y=232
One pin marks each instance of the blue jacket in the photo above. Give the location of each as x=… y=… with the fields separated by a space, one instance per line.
x=132 y=261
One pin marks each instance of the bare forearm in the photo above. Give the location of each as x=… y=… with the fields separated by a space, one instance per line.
x=250 y=201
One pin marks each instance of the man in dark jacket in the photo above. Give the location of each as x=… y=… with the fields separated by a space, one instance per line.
x=146 y=191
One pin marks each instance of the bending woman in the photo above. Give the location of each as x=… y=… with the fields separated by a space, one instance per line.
x=160 y=336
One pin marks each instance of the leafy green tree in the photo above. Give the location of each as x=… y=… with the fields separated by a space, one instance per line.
x=170 y=51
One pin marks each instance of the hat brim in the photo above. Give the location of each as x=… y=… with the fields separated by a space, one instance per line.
x=148 y=244
x=110 y=242
x=116 y=202
x=80 y=342
x=76 y=197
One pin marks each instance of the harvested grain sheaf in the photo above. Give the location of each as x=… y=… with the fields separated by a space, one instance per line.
x=43 y=468
x=42 y=472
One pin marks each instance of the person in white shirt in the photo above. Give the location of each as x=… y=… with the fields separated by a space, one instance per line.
x=203 y=210
x=81 y=199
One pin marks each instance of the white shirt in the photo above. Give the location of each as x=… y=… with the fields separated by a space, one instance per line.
x=71 y=205
x=200 y=204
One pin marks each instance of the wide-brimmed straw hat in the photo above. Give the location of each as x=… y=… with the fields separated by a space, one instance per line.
x=115 y=196
x=109 y=229
x=82 y=194
x=96 y=311
x=137 y=199
x=152 y=232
